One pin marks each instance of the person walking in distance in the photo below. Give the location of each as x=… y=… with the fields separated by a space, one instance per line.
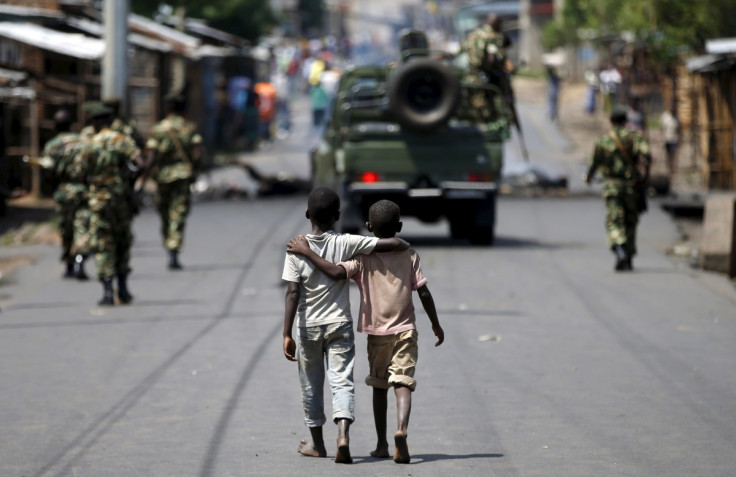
x=671 y=132
x=623 y=157
x=386 y=281
x=173 y=153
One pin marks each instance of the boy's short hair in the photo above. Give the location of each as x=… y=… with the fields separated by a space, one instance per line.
x=384 y=217
x=323 y=204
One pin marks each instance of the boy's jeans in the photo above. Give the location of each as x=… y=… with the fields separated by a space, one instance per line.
x=332 y=345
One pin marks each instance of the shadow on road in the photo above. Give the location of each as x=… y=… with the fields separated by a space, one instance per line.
x=423 y=458
x=499 y=242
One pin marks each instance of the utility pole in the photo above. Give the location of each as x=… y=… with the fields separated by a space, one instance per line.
x=115 y=61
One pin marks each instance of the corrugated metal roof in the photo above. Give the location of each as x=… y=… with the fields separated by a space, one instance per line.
x=181 y=42
x=18 y=11
x=98 y=30
x=711 y=63
x=721 y=46
x=200 y=28
x=19 y=92
x=69 y=44
x=13 y=76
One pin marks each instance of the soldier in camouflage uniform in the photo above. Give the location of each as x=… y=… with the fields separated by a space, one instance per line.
x=487 y=61
x=70 y=194
x=623 y=158
x=173 y=159
x=111 y=159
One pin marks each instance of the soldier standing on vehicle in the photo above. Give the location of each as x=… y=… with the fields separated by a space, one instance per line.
x=624 y=159
x=70 y=194
x=173 y=153
x=112 y=160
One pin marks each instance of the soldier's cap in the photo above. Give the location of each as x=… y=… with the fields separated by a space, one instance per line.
x=618 y=114
x=99 y=111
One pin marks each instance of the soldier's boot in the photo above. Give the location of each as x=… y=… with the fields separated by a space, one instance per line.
x=174 y=260
x=621 y=258
x=123 y=294
x=108 y=295
x=69 y=272
x=79 y=272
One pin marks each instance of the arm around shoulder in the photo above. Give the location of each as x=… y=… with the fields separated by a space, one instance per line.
x=300 y=246
x=392 y=244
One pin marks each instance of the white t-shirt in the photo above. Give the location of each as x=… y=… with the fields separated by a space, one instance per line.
x=322 y=300
x=670 y=127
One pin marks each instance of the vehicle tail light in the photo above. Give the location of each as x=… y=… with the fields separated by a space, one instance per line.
x=369 y=177
x=480 y=177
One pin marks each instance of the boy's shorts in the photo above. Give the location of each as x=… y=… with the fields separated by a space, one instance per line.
x=392 y=359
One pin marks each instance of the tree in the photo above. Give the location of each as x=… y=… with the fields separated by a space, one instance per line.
x=249 y=19
x=666 y=27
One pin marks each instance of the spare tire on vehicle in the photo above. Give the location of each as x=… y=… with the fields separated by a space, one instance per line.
x=423 y=94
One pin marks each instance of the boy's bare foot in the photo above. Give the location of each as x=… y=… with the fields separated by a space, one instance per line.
x=310 y=450
x=381 y=452
x=343 y=452
x=401 y=454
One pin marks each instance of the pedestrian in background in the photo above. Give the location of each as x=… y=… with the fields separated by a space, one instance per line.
x=591 y=90
x=111 y=160
x=173 y=156
x=266 y=103
x=635 y=117
x=623 y=158
x=553 y=91
x=671 y=132
x=386 y=281
x=320 y=100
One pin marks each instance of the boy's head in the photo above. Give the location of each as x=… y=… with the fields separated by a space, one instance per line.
x=323 y=206
x=384 y=219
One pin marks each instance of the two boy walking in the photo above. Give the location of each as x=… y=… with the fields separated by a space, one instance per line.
x=317 y=297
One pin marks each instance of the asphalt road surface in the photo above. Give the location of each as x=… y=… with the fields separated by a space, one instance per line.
x=553 y=365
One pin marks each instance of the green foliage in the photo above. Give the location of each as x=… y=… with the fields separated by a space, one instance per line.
x=666 y=27
x=249 y=19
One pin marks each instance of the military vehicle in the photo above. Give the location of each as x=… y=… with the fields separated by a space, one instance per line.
x=409 y=132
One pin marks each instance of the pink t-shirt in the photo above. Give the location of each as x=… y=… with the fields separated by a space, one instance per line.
x=386 y=281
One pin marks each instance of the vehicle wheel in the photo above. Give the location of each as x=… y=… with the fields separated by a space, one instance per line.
x=459 y=229
x=423 y=94
x=482 y=236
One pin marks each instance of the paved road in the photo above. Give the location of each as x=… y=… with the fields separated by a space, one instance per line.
x=553 y=365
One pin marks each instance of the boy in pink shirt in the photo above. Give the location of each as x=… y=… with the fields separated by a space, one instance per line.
x=386 y=281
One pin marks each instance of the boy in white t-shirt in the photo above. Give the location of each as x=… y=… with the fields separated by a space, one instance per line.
x=325 y=336
x=386 y=281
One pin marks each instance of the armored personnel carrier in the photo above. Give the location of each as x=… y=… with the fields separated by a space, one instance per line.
x=412 y=132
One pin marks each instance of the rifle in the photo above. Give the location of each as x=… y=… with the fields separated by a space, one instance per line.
x=502 y=81
x=508 y=97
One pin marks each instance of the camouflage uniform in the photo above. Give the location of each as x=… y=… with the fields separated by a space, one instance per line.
x=108 y=155
x=129 y=129
x=175 y=166
x=621 y=186
x=486 y=58
x=70 y=194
